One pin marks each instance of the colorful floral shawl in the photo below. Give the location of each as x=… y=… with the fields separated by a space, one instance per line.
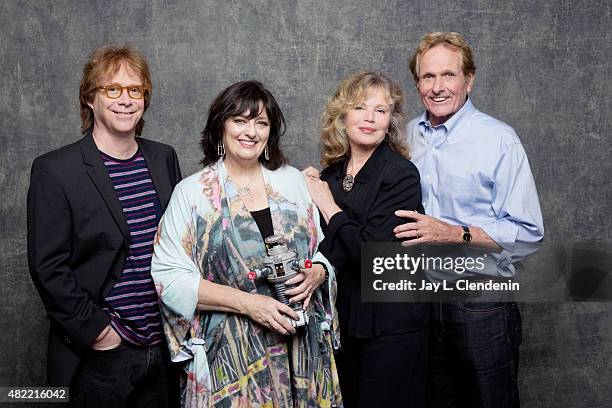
x=229 y=360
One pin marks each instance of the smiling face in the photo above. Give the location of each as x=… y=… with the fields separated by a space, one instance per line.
x=244 y=139
x=442 y=85
x=117 y=117
x=367 y=123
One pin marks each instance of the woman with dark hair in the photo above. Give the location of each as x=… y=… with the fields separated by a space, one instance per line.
x=383 y=358
x=239 y=346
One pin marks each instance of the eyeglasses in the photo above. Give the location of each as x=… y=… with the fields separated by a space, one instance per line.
x=114 y=91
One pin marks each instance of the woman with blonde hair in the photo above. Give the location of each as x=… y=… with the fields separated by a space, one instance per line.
x=383 y=356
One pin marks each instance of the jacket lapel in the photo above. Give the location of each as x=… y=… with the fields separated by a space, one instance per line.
x=158 y=171
x=99 y=176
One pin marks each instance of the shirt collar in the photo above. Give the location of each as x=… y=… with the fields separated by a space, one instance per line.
x=449 y=125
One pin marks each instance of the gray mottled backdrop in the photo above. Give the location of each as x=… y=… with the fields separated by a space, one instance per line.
x=543 y=67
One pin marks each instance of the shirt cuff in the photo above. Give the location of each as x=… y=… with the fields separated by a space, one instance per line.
x=503 y=232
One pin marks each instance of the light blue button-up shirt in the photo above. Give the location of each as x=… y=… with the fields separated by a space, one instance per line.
x=474 y=171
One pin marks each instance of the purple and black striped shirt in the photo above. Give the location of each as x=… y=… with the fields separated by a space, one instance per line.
x=132 y=302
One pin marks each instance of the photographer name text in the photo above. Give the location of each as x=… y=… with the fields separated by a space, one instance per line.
x=435 y=287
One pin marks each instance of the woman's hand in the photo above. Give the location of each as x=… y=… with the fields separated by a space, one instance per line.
x=269 y=313
x=320 y=193
x=309 y=280
x=264 y=310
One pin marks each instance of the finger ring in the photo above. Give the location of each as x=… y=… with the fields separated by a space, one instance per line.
x=418 y=234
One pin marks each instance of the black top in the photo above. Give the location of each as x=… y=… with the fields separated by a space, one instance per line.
x=387 y=182
x=263 y=218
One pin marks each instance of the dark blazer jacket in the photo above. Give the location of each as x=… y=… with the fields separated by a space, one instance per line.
x=78 y=240
x=386 y=182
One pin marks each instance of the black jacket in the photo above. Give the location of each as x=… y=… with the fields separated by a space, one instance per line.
x=387 y=182
x=78 y=240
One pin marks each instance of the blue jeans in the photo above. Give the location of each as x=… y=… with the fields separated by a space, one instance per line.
x=126 y=376
x=474 y=355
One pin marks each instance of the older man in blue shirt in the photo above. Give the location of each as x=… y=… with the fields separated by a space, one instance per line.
x=478 y=190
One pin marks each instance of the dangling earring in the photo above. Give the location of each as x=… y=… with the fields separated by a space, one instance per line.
x=266 y=155
x=220 y=149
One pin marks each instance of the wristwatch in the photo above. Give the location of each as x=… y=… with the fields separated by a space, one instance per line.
x=467 y=235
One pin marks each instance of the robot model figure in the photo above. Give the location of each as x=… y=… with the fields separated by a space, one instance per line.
x=280 y=265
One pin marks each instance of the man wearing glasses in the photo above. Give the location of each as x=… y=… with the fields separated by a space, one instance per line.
x=93 y=211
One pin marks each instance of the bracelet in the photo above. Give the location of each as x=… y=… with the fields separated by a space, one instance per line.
x=324 y=268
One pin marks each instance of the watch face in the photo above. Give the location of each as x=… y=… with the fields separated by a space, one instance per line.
x=467 y=237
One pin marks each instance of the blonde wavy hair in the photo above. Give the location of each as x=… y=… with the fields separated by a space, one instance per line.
x=352 y=91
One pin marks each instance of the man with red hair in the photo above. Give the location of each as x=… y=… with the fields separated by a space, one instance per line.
x=93 y=211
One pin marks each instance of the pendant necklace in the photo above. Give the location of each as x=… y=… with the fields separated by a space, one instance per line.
x=348 y=181
x=245 y=191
